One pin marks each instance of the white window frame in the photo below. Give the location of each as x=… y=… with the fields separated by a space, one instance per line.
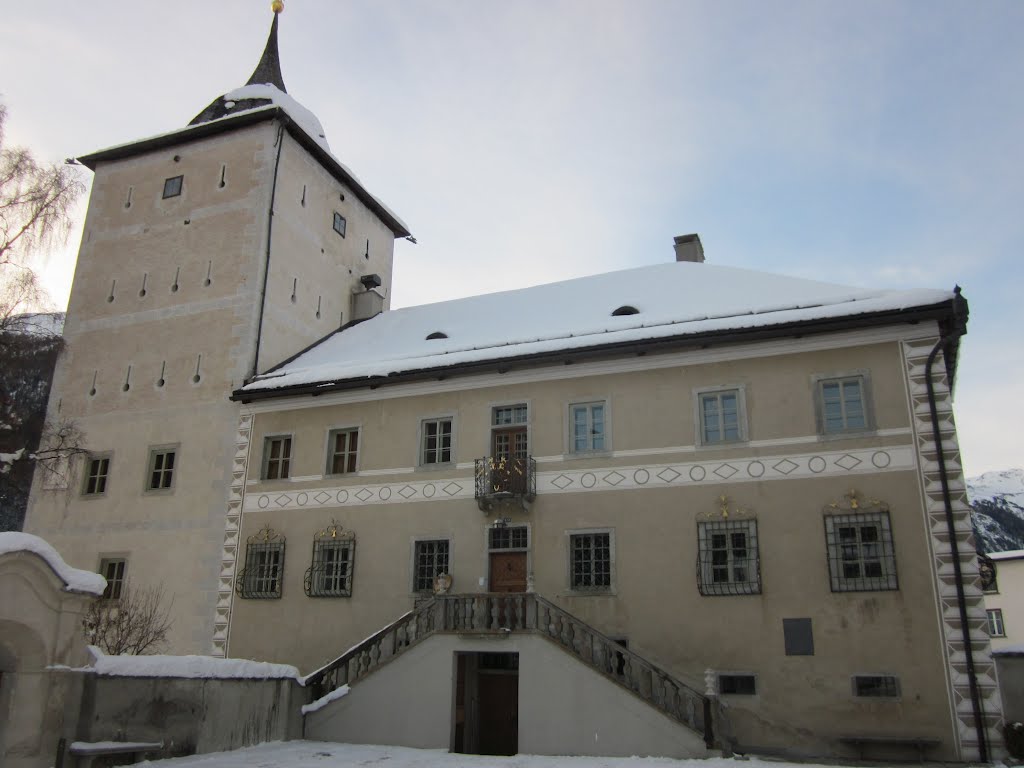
x=608 y=589
x=116 y=584
x=741 y=413
x=154 y=451
x=889 y=580
x=706 y=567
x=570 y=424
x=88 y=476
x=330 y=454
x=265 y=459
x=414 y=587
x=996 y=625
x=422 y=442
x=820 y=380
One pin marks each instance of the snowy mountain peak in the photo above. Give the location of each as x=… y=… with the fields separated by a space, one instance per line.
x=997 y=504
x=1005 y=484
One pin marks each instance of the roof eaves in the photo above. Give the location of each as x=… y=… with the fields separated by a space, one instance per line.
x=240 y=120
x=616 y=349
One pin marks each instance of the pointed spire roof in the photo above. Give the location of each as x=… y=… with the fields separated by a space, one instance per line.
x=267 y=73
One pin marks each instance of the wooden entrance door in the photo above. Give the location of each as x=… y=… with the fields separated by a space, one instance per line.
x=499 y=712
x=508 y=572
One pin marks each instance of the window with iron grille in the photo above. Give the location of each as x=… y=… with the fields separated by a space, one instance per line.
x=720 y=417
x=342 y=451
x=330 y=575
x=262 y=577
x=97 y=469
x=587 y=427
x=436 y=445
x=878 y=686
x=861 y=556
x=172 y=186
x=113 y=570
x=737 y=685
x=590 y=561
x=995 y=622
x=431 y=559
x=161 y=469
x=727 y=561
x=277 y=458
x=842 y=405
x=509 y=537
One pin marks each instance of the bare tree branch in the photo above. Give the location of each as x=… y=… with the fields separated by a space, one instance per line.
x=136 y=623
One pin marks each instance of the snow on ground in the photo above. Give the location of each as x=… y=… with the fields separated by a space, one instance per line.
x=672 y=299
x=207 y=667
x=75 y=580
x=321 y=754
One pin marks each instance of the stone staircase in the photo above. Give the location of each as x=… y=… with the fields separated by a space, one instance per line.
x=486 y=614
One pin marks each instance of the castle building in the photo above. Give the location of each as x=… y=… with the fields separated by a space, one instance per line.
x=650 y=510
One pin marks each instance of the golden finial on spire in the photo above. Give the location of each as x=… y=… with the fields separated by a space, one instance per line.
x=277 y=6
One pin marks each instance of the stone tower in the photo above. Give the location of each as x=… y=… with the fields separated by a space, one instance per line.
x=209 y=254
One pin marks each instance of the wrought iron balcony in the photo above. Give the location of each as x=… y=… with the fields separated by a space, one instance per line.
x=505 y=478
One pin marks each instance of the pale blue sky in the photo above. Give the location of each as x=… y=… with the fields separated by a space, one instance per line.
x=868 y=143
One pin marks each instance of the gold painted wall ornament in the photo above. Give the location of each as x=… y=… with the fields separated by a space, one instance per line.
x=265 y=535
x=724 y=512
x=854 y=501
x=334 y=531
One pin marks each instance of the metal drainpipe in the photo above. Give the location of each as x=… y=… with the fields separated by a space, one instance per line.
x=266 y=266
x=959 y=318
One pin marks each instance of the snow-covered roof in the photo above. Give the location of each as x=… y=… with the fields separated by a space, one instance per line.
x=75 y=580
x=207 y=667
x=671 y=300
x=1011 y=554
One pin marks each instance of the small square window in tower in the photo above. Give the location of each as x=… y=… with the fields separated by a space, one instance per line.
x=340 y=225
x=97 y=471
x=172 y=186
x=160 y=476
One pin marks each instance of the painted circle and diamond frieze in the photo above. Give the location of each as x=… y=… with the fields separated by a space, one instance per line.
x=737 y=470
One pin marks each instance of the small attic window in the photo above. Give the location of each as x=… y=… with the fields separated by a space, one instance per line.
x=437 y=335
x=172 y=186
x=625 y=309
x=340 y=225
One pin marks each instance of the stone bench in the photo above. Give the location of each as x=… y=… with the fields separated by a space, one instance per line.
x=85 y=752
x=862 y=742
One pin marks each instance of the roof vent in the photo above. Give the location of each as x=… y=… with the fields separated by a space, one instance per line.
x=689 y=248
x=437 y=335
x=370 y=281
x=625 y=309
